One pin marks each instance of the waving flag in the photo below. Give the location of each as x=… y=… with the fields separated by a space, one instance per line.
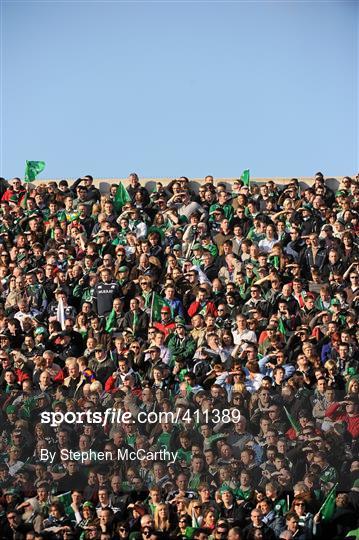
x=295 y=425
x=328 y=507
x=60 y=315
x=32 y=169
x=121 y=197
x=245 y=177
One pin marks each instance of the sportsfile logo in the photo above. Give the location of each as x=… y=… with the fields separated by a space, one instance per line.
x=118 y=416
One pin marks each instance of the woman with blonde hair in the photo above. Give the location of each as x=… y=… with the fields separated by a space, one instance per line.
x=96 y=209
x=104 y=199
x=353 y=386
x=162 y=518
x=134 y=352
x=195 y=510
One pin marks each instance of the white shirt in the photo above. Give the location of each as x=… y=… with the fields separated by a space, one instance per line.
x=247 y=335
x=266 y=245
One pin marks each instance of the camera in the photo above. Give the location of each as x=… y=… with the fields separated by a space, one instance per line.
x=219 y=322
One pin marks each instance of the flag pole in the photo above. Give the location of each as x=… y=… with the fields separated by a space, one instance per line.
x=190 y=246
x=152 y=302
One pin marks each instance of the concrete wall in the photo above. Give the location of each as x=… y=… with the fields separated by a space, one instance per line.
x=104 y=183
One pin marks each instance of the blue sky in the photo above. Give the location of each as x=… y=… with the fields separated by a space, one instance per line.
x=179 y=88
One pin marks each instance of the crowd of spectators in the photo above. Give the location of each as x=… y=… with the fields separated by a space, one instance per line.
x=234 y=298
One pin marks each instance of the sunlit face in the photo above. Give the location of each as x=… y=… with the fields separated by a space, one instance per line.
x=256 y=517
x=292 y=524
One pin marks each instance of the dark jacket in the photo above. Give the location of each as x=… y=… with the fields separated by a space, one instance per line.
x=103 y=297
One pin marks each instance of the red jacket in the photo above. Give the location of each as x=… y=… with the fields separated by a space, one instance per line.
x=292 y=435
x=195 y=308
x=167 y=329
x=352 y=422
x=10 y=192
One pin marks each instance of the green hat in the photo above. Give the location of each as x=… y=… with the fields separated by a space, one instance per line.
x=341 y=192
x=197 y=246
x=180 y=322
x=335 y=302
x=10 y=409
x=183 y=219
x=40 y=330
x=224 y=489
x=88 y=504
x=21 y=257
x=123 y=269
x=177 y=247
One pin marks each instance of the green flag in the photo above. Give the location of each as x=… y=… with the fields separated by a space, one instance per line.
x=353 y=534
x=32 y=169
x=245 y=177
x=65 y=499
x=328 y=507
x=28 y=407
x=121 y=197
x=154 y=302
x=281 y=327
x=110 y=321
x=295 y=425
